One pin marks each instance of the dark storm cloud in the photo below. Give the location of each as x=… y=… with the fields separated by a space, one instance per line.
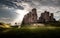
x=9 y=14
x=50 y=2
x=10 y=3
x=7 y=7
x=43 y=2
x=33 y=3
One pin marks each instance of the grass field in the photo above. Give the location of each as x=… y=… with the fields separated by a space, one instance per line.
x=31 y=32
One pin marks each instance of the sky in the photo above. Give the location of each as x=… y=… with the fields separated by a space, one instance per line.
x=12 y=11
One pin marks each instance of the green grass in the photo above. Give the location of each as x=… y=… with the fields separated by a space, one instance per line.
x=31 y=32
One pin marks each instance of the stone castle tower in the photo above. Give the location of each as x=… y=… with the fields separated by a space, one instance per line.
x=46 y=17
x=31 y=17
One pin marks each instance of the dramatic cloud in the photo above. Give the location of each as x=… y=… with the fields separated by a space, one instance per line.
x=52 y=6
x=7 y=14
x=10 y=3
x=14 y=10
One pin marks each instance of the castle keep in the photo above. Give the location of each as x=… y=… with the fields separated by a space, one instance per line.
x=31 y=17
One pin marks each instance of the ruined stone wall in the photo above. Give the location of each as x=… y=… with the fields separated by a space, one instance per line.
x=31 y=17
x=46 y=17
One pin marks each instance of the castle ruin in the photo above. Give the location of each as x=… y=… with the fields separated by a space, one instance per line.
x=31 y=17
x=46 y=17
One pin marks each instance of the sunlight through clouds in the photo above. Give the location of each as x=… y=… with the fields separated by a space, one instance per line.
x=16 y=9
x=20 y=15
